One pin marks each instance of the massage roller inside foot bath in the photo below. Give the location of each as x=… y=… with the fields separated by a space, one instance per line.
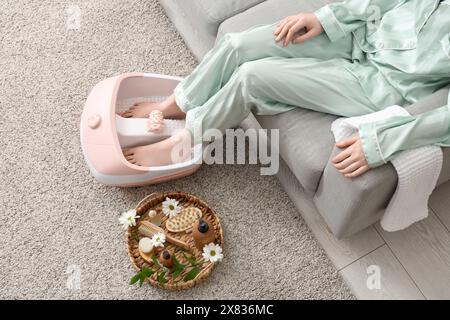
x=104 y=133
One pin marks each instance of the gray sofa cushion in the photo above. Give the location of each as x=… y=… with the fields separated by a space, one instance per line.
x=269 y=12
x=215 y=12
x=198 y=20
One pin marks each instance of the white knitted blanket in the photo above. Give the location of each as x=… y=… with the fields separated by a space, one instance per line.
x=417 y=169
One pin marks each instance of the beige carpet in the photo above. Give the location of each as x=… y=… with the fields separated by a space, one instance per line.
x=55 y=217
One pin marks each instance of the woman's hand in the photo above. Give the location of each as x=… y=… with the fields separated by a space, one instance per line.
x=289 y=27
x=351 y=162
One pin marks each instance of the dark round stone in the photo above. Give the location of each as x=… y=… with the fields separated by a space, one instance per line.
x=166 y=255
x=203 y=226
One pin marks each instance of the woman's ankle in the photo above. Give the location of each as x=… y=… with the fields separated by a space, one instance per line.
x=170 y=109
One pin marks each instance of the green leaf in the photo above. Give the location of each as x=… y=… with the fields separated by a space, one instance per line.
x=146 y=272
x=141 y=276
x=156 y=262
x=176 y=262
x=141 y=281
x=178 y=267
x=161 y=277
x=177 y=272
x=135 y=278
x=192 y=274
x=191 y=259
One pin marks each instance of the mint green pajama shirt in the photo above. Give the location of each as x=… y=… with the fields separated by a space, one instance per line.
x=359 y=65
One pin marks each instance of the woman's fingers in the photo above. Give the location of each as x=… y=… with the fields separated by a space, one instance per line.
x=351 y=167
x=280 y=26
x=293 y=30
x=347 y=142
x=288 y=27
x=300 y=38
x=345 y=163
x=342 y=156
x=358 y=172
x=351 y=162
x=284 y=31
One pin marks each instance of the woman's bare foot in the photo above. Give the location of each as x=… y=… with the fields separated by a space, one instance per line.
x=171 y=150
x=168 y=107
x=141 y=109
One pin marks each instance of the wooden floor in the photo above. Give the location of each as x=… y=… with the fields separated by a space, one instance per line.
x=412 y=264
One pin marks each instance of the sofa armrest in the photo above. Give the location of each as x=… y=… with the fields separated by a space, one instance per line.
x=351 y=205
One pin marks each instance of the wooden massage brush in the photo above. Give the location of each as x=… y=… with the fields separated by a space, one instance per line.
x=149 y=229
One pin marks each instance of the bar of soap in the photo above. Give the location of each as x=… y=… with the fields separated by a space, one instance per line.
x=145 y=245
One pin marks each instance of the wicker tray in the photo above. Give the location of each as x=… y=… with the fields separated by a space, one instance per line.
x=154 y=202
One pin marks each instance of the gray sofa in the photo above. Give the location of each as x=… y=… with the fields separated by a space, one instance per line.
x=306 y=142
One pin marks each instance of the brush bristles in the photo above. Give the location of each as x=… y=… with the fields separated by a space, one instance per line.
x=146 y=229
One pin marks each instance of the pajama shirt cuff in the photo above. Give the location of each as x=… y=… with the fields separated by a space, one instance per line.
x=330 y=23
x=371 y=146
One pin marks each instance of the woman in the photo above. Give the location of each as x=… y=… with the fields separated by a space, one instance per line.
x=347 y=59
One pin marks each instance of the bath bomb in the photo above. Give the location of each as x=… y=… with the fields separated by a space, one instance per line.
x=145 y=245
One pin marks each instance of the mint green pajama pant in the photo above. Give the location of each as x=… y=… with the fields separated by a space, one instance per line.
x=249 y=72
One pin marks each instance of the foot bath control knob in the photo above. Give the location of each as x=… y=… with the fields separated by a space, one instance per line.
x=94 y=121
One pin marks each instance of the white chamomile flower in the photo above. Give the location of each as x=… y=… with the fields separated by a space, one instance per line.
x=212 y=252
x=128 y=219
x=170 y=207
x=158 y=239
